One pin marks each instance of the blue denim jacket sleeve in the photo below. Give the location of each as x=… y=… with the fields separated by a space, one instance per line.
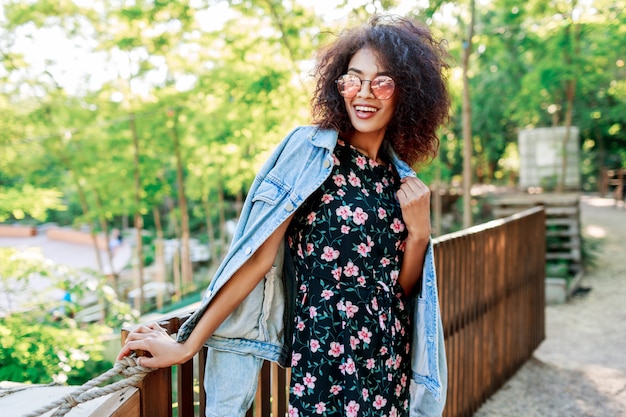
x=430 y=372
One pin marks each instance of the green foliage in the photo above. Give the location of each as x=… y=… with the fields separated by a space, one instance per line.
x=17 y=203
x=37 y=350
x=230 y=79
x=40 y=342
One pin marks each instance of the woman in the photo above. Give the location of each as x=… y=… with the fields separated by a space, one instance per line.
x=330 y=270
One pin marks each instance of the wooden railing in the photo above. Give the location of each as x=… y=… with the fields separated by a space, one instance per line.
x=491 y=284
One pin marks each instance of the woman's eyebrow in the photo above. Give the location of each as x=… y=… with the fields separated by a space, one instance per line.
x=358 y=71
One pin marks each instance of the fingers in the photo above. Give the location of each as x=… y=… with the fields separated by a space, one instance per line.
x=412 y=189
x=138 y=338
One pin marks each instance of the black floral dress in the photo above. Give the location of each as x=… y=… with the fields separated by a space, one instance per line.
x=351 y=346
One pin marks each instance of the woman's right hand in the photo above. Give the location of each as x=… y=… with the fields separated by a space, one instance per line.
x=152 y=338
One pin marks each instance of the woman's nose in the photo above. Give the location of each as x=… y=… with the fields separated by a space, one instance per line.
x=365 y=91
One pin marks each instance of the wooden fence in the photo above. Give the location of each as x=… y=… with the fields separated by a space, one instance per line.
x=491 y=284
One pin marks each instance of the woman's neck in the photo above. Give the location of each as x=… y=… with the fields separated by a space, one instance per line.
x=368 y=144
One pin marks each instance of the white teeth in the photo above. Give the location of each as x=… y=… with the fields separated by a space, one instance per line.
x=365 y=108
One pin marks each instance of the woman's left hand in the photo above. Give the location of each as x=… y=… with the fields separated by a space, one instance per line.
x=414 y=198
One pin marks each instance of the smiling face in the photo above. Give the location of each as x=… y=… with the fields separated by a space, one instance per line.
x=369 y=116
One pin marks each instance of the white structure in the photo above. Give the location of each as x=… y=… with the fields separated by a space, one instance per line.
x=541 y=157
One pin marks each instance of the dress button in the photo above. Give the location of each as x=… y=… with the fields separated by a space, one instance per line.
x=289 y=206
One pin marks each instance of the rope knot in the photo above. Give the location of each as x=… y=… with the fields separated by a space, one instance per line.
x=71 y=401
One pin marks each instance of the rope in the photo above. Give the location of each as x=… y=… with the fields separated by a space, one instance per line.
x=5 y=392
x=127 y=366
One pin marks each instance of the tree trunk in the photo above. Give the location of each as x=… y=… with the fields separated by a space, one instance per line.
x=221 y=203
x=185 y=253
x=105 y=229
x=570 y=90
x=138 y=264
x=210 y=230
x=159 y=256
x=92 y=230
x=467 y=124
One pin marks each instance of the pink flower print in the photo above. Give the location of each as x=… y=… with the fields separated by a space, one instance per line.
x=385 y=261
x=300 y=251
x=309 y=380
x=397 y=226
x=397 y=325
x=351 y=270
x=298 y=389
x=382 y=213
x=398 y=391
x=361 y=281
x=336 y=160
x=329 y=254
x=393 y=275
x=370 y=364
x=365 y=335
x=337 y=273
x=394 y=411
x=354 y=341
x=403 y=380
x=375 y=304
x=320 y=408
x=344 y=212
x=389 y=377
x=365 y=192
x=293 y=412
x=302 y=288
x=365 y=393
x=401 y=245
x=340 y=180
x=352 y=409
x=385 y=182
x=383 y=350
x=382 y=319
x=315 y=345
x=379 y=402
x=312 y=311
x=327 y=198
x=341 y=142
x=359 y=217
x=295 y=358
x=354 y=180
x=341 y=193
x=361 y=161
x=311 y=217
x=348 y=367
x=363 y=249
x=379 y=187
x=310 y=248
x=345 y=229
x=335 y=389
x=326 y=294
x=300 y=326
x=351 y=309
x=336 y=349
x=389 y=362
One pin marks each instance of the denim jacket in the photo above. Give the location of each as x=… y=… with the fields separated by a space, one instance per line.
x=260 y=327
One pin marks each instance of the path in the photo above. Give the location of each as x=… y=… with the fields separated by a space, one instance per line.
x=580 y=369
x=74 y=255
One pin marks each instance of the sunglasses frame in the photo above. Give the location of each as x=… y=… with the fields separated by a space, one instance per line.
x=341 y=81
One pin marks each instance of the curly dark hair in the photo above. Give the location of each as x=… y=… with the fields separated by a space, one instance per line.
x=417 y=63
